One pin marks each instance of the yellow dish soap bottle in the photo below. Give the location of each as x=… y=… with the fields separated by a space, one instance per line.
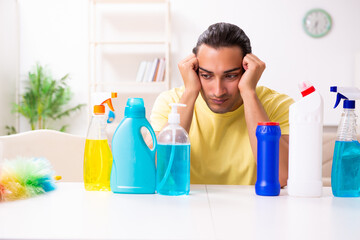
x=97 y=155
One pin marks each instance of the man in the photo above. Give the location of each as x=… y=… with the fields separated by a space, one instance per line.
x=224 y=106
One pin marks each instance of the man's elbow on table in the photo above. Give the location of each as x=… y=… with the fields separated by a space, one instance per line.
x=283 y=181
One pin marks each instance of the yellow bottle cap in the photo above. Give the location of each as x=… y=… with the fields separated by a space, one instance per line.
x=57 y=178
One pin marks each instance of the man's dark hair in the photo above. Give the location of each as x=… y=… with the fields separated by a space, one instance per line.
x=224 y=35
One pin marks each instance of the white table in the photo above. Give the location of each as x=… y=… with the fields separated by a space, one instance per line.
x=209 y=212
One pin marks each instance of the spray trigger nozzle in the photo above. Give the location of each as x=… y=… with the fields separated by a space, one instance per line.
x=111 y=114
x=339 y=96
x=109 y=103
x=347 y=93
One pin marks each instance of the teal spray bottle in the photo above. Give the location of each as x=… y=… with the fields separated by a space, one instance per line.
x=133 y=169
x=173 y=157
x=345 y=172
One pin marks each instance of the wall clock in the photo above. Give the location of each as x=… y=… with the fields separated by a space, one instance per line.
x=317 y=23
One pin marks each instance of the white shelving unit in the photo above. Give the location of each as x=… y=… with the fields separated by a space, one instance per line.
x=122 y=33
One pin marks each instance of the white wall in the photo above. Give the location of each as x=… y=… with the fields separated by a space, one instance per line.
x=277 y=36
x=8 y=62
x=54 y=32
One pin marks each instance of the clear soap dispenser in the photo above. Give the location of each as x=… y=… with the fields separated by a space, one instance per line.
x=173 y=157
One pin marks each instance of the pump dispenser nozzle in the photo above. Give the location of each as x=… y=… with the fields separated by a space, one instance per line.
x=174 y=116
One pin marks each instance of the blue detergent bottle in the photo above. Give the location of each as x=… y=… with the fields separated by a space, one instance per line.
x=173 y=157
x=268 y=135
x=345 y=172
x=133 y=169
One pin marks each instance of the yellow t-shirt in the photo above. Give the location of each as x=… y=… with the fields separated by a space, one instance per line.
x=220 y=146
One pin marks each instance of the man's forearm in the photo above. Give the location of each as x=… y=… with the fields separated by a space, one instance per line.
x=186 y=113
x=254 y=113
x=283 y=159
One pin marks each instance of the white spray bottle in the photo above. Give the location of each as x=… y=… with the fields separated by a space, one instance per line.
x=173 y=157
x=305 y=144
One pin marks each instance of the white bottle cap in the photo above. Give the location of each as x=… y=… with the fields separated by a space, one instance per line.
x=174 y=116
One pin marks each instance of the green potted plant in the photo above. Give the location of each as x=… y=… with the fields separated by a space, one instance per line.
x=44 y=99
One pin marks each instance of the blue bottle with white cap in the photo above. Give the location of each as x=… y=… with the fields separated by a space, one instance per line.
x=133 y=169
x=345 y=172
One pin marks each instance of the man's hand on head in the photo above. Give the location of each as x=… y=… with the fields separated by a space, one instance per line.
x=188 y=70
x=254 y=68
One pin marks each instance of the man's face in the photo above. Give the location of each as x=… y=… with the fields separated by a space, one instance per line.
x=220 y=71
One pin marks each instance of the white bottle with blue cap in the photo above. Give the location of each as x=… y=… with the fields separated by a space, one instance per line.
x=345 y=172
